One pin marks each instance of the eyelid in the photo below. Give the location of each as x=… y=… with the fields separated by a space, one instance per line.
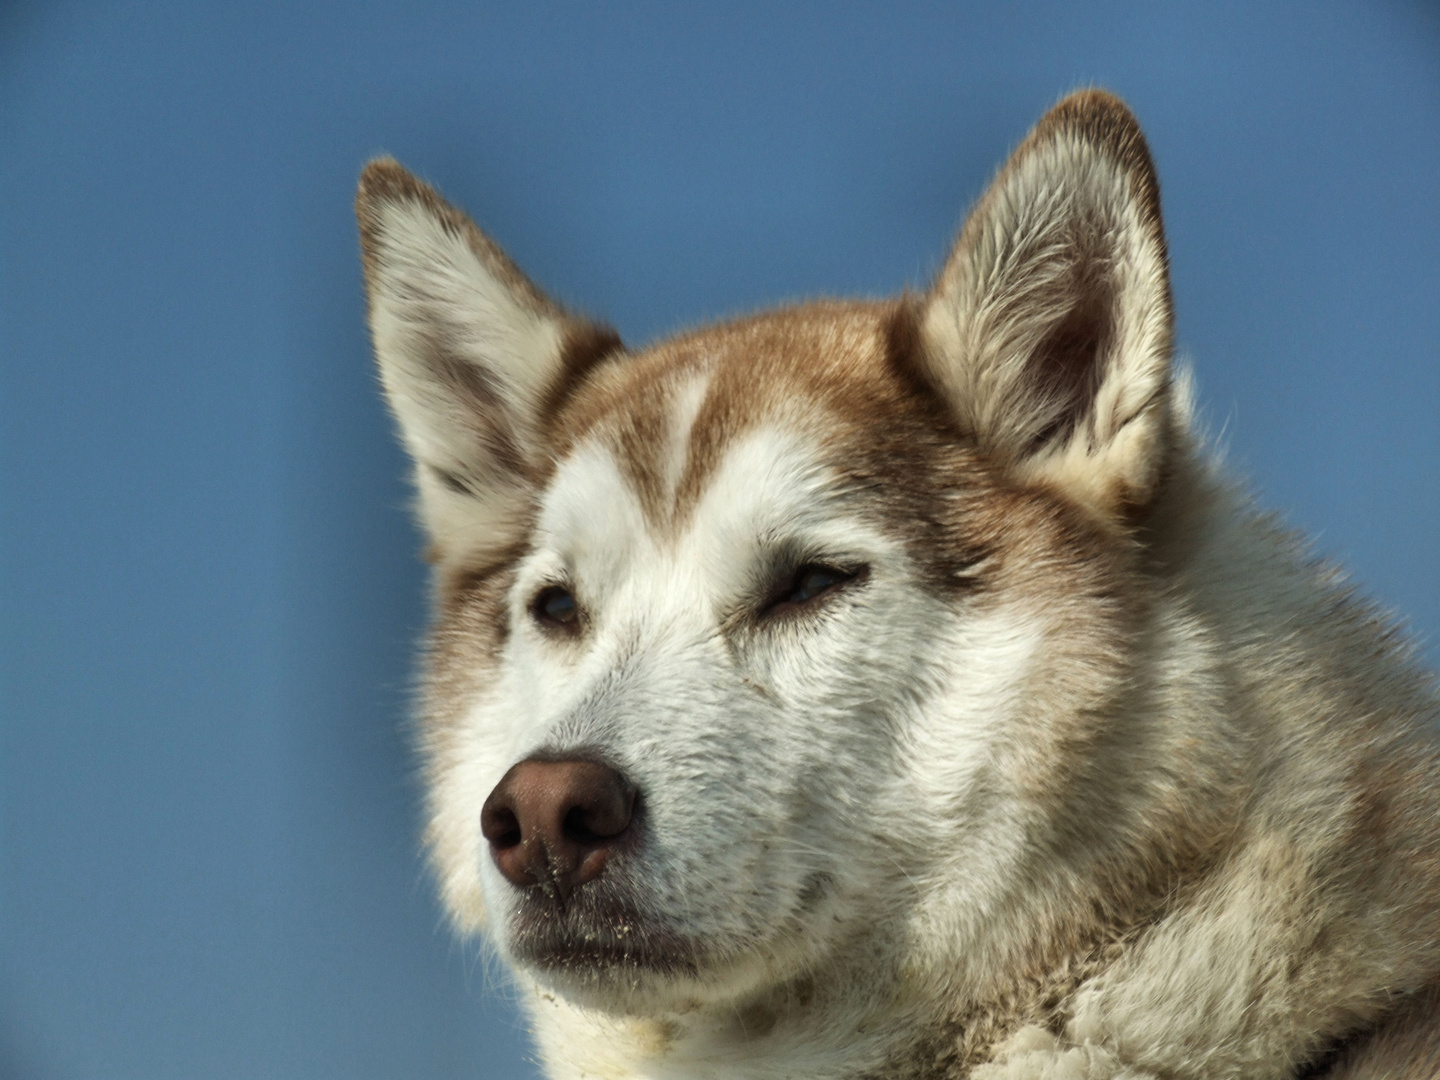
x=783 y=586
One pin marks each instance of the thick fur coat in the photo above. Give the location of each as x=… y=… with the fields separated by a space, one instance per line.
x=897 y=689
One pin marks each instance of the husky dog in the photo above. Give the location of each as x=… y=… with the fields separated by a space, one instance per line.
x=896 y=689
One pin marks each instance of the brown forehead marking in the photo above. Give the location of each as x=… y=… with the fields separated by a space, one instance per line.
x=800 y=367
x=628 y=406
x=822 y=369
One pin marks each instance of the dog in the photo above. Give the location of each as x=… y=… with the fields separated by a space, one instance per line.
x=899 y=689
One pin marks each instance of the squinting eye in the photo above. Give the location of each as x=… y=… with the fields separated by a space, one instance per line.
x=555 y=606
x=811 y=582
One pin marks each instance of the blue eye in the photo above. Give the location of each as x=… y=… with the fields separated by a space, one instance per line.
x=555 y=606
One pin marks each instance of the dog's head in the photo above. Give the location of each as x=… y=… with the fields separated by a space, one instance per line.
x=790 y=633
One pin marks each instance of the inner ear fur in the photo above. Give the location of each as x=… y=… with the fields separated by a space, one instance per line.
x=475 y=360
x=1048 y=334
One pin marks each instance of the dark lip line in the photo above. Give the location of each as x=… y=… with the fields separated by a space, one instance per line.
x=596 y=937
x=591 y=956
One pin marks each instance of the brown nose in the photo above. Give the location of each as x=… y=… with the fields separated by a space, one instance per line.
x=554 y=824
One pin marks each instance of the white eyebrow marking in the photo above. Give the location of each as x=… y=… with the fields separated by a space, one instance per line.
x=688 y=399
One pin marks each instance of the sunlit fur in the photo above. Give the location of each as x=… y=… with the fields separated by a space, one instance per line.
x=1088 y=771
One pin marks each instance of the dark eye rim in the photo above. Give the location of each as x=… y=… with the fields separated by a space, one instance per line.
x=779 y=604
x=540 y=601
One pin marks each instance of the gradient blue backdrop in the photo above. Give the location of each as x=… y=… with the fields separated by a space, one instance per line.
x=208 y=845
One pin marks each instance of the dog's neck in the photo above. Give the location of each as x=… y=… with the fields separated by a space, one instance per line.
x=840 y=1030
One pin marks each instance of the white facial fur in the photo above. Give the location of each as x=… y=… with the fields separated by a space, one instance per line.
x=783 y=771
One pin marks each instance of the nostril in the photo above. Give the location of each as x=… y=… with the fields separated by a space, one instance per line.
x=577 y=829
x=603 y=810
x=500 y=826
x=593 y=824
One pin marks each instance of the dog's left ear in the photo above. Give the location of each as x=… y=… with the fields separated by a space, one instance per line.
x=1049 y=332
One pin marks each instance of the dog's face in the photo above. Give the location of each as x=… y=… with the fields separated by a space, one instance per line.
x=770 y=553
x=743 y=639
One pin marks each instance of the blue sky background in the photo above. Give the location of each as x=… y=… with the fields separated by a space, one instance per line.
x=208 y=816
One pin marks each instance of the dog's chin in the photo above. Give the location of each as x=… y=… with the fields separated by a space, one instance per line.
x=618 y=987
x=600 y=952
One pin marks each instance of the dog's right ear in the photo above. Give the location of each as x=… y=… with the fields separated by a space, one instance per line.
x=474 y=359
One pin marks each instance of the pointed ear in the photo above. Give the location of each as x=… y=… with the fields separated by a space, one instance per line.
x=1049 y=332
x=473 y=357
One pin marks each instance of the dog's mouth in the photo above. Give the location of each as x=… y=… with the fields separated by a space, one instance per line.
x=594 y=934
